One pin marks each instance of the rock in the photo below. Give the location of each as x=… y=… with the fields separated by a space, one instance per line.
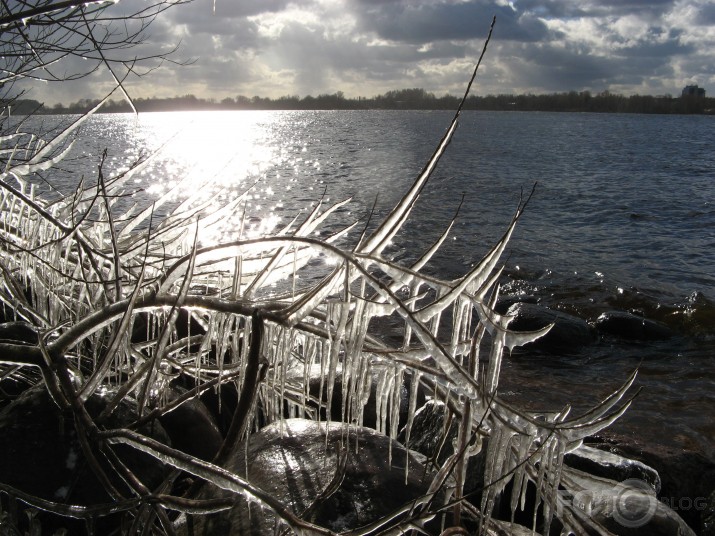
x=686 y=477
x=191 y=427
x=569 y=333
x=40 y=453
x=609 y=465
x=221 y=403
x=296 y=460
x=707 y=517
x=428 y=430
x=507 y=301
x=628 y=508
x=18 y=333
x=632 y=327
x=428 y=438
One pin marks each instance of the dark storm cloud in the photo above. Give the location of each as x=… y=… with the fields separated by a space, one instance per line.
x=560 y=9
x=706 y=15
x=424 y=23
x=555 y=69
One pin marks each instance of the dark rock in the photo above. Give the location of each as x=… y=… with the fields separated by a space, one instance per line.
x=569 y=332
x=707 y=517
x=632 y=327
x=507 y=301
x=628 y=508
x=430 y=437
x=686 y=477
x=191 y=428
x=221 y=404
x=609 y=465
x=18 y=333
x=429 y=434
x=41 y=455
x=296 y=460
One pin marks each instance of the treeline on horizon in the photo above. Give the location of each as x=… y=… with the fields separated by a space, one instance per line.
x=403 y=99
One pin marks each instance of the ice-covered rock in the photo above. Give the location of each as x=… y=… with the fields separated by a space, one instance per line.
x=628 y=508
x=686 y=476
x=610 y=465
x=296 y=461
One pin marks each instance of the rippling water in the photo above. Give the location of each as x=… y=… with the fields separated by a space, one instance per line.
x=622 y=217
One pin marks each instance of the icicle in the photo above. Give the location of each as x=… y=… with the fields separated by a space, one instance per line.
x=395 y=399
x=498 y=453
x=411 y=409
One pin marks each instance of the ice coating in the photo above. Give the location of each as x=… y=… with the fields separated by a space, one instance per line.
x=365 y=325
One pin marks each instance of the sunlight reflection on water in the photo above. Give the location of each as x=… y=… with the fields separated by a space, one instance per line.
x=212 y=158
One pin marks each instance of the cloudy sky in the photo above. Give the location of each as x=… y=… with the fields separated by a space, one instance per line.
x=365 y=47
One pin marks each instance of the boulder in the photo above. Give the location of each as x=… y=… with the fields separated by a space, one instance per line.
x=707 y=516
x=297 y=459
x=628 y=508
x=506 y=301
x=686 y=476
x=18 y=333
x=569 y=333
x=191 y=427
x=430 y=437
x=631 y=327
x=40 y=455
x=612 y=466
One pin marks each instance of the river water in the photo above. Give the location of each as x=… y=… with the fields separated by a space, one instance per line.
x=622 y=218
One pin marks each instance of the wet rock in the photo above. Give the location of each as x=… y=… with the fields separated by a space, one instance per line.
x=40 y=453
x=429 y=428
x=686 y=477
x=631 y=327
x=505 y=302
x=569 y=333
x=296 y=460
x=191 y=428
x=18 y=333
x=430 y=437
x=628 y=508
x=609 y=465
x=707 y=517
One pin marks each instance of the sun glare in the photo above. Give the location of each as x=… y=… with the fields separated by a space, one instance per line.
x=213 y=158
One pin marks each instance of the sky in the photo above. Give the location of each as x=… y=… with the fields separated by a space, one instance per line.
x=274 y=48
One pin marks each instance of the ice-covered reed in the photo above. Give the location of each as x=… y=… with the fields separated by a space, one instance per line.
x=86 y=272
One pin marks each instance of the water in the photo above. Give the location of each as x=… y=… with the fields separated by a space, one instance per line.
x=622 y=218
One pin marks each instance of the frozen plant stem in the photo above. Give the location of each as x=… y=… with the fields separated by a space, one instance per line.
x=132 y=306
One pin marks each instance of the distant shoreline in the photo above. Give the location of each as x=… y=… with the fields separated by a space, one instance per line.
x=405 y=99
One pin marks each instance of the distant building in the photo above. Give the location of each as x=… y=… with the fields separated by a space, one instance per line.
x=693 y=91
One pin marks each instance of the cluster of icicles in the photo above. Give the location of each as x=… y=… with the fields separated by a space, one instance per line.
x=83 y=272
